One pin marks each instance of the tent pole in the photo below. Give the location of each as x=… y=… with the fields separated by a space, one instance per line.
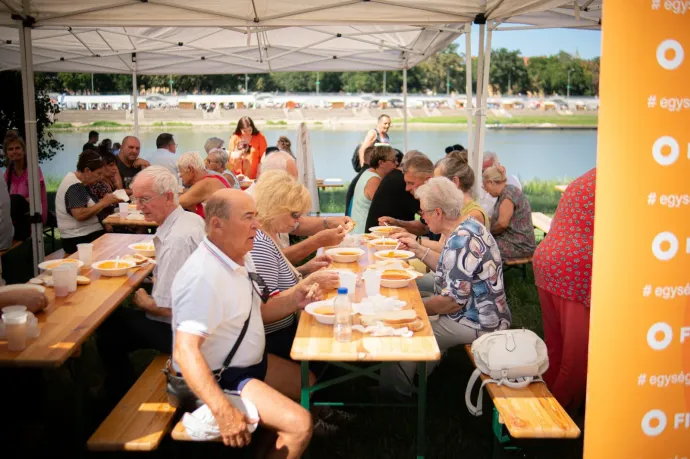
x=29 y=96
x=468 y=84
x=405 y=99
x=475 y=162
x=135 y=94
x=485 y=95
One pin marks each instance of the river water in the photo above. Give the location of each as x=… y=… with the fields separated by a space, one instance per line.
x=529 y=154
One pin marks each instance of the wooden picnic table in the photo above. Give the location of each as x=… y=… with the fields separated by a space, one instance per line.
x=320 y=183
x=115 y=220
x=67 y=322
x=314 y=342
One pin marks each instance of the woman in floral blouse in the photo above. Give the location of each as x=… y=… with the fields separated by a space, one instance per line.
x=563 y=274
x=511 y=219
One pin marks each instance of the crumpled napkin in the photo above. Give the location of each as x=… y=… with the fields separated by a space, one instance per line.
x=382 y=330
x=379 y=303
x=200 y=425
x=121 y=195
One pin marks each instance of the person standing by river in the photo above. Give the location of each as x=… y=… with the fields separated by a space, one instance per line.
x=17 y=180
x=374 y=136
x=246 y=137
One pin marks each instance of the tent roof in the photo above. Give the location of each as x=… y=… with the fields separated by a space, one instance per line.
x=586 y=16
x=241 y=36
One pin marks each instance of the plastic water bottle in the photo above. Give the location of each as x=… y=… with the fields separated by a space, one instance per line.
x=342 y=328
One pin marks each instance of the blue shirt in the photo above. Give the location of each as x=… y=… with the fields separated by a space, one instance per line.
x=471 y=272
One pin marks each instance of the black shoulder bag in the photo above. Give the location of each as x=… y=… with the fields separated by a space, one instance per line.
x=179 y=394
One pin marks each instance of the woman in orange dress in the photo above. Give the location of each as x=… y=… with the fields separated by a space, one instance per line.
x=246 y=134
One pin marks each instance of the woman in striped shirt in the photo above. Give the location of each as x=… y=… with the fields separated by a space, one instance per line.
x=281 y=201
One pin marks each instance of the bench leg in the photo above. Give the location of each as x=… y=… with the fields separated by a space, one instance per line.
x=421 y=410
x=501 y=440
x=305 y=394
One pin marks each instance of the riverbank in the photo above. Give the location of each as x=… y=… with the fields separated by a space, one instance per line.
x=343 y=119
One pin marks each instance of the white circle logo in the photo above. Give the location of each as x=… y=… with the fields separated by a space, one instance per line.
x=658 y=154
x=661 y=254
x=659 y=327
x=670 y=64
x=647 y=420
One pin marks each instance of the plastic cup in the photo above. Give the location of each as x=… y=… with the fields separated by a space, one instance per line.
x=73 y=273
x=61 y=278
x=124 y=209
x=85 y=252
x=15 y=329
x=372 y=282
x=349 y=281
x=16 y=308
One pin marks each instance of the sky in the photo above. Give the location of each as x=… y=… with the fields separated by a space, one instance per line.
x=541 y=42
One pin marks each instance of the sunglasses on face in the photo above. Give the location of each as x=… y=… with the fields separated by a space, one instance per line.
x=259 y=283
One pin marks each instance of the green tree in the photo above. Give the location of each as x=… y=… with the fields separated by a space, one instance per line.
x=12 y=113
x=508 y=72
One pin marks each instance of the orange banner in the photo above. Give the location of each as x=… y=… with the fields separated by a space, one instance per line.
x=638 y=388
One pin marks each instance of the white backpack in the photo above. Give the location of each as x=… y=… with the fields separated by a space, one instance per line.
x=514 y=358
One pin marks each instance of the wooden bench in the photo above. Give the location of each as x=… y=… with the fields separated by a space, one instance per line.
x=520 y=263
x=541 y=222
x=530 y=412
x=141 y=419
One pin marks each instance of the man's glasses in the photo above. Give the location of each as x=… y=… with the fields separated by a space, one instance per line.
x=259 y=282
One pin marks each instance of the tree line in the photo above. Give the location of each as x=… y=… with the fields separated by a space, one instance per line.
x=442 y=73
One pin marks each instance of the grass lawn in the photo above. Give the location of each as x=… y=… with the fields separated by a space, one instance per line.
x=368 y=433
x=560 y=120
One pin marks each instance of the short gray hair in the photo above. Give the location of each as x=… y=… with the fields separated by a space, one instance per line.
x=276 y=161
x=213 y=142
x=441 y=193
x=164 y=181
x=490 y=156
x=191 y=160
x=220 y=155
x=216 y=206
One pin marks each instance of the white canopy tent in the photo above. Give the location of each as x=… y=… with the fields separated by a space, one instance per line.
x=242 y=36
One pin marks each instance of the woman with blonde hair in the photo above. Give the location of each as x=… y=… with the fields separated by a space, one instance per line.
x=511 y=219
x=17 y=173
x=281 y=201
x=455 y=168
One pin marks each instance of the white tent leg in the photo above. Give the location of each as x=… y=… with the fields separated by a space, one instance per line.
x=135 y=93
x=29 y=97
x=405 y=101
x=468 y=84
x=481 y=123
x=475 y=159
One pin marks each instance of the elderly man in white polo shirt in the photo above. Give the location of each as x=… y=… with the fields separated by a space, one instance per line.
x=214 y=295
x=148 y=327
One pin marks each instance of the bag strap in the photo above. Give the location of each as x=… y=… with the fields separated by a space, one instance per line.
x=237 y=344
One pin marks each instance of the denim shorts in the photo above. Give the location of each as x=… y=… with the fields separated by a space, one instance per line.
x=235 y=378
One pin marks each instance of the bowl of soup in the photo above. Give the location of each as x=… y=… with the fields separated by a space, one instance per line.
x=396 y=278
x=394 y=255
x=323 y=311
x=384 y=243
x=385 y=231
x=113 y=268
x=345 y=254
x=49 y=265
x=145 y=249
